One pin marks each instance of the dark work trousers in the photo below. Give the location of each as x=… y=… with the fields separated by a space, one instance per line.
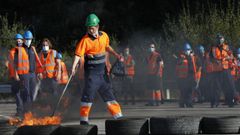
x=204 y=88
x=215 y=88
x=100 y=83
x=28 y=82
x=128 y=90
x=228 y=86
x=17 y=91
x=49 y=85
x=186 y=86
x=48 y=92
x=237 y=84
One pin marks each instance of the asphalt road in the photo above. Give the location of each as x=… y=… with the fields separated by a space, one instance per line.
x=99 y=112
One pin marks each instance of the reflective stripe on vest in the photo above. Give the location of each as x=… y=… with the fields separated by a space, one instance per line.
x=182 y=69
x=153 y=66
x=194 y=67
x=64 y=75
x=11 y=68
x=48 y=64
x=23 y=61
x=130 y=69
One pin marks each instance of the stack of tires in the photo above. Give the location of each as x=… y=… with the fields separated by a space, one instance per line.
x=182 y=125
x=127 y=126
x=37 y=130
x=77 y=130
x=220 y=125
x=6 y=128
x=174 y=125
x=57 y=130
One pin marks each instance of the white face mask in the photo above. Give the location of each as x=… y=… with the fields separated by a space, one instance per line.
x=188 y=52
x=221 y=40
x=45 y=48
x=238 y=56
x=28 y=42
x=94 y=34
x=127 y=52
x=151 y=49
x=19 y=42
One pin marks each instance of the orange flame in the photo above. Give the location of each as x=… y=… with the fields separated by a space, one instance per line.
x=30 y=120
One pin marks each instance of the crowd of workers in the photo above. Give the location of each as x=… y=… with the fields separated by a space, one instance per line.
x=208 y=73
x=204 y=73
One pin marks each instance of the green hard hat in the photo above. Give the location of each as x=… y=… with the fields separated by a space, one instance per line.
x=92 y=20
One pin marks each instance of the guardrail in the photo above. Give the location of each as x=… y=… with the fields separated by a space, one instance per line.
x=5 y=88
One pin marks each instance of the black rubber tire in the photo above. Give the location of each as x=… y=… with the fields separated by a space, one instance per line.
x=174 y=125
x=220 y=125
x=77 y=130
x=37 y=130
x=127 y=126
x=6 y=128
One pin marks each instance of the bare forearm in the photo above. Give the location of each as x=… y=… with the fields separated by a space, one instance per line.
x=110 y=50
x=59 y=66
x=75 y=61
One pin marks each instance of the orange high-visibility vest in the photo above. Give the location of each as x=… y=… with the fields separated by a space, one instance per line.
x=233 y=66
x=221 y=55
x=48 y=64
x=23 y=61
x=64 y=74
x=237 y=69
x=208 y=63
x=11 y=69
x=153 y=65
x=182 y=68
x=129 y=69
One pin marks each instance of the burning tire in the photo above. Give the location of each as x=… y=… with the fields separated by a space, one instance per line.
x=220 y=125
x=77 y=130
x=174 y=125
x=6 y=128
x=133 y=126
x=36 y=130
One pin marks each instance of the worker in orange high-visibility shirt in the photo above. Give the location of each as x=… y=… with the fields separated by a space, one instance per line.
x=26 y=66
x=93 y=47
x=155 y=71
x=128 y=89
x=51 y=68
x=64 y=73
x=187 y=70
x=222 y=55
x=15 y=81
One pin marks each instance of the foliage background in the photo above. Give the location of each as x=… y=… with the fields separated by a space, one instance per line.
x=168 y=24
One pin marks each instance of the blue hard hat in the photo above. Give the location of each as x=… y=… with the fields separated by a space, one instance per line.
x=201 y=48
x=18 y=36
x=28 y=35
x=238 y=51
x=220 y=36
x=59 y=55
x=187 y=46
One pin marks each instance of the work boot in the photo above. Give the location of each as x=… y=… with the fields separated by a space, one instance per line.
x=84 y=123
